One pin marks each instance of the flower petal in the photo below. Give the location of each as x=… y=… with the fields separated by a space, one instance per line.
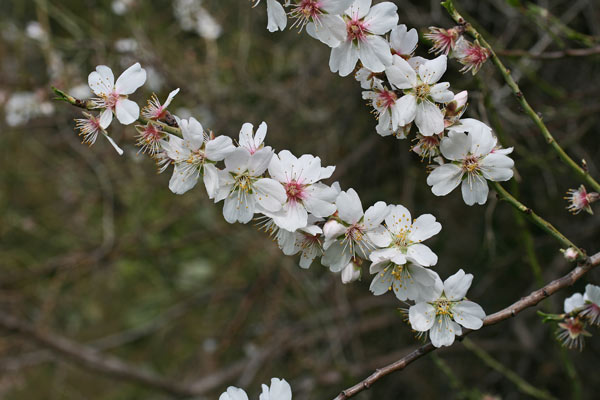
x=127 y=111
x=131 y=79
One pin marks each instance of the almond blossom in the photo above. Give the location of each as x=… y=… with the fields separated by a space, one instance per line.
x=244 y=189
x=353 y=233
x=113 y=96
x=363 y=24
x=421 y=92
x=443 y=314
x=580 y=199
x=279 y=390
x=322 y=19
x=387 y=109
x=307 y=240
x=195 y=154
x=89 y=128
x=233 y=393
x=300 y=178
x=154 y=110
x=470 y=146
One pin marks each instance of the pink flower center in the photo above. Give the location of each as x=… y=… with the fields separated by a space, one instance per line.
x=356 y=29
x=151 y=134
x=295 y=191
x=386 y=99
x=308 y=9
x=111 y=100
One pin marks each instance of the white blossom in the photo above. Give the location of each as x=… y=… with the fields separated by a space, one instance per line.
x=276 y=16
x=403 y=42
x=363 y=25
x=447 y=310
x=195 y=154
x=233 y=393
x=470 y=148
x=113 y=96
x=305 y=194
x=353 y=233
x=387 y=109
x=422 y=91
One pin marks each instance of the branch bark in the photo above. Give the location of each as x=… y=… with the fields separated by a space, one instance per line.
x=528 y=301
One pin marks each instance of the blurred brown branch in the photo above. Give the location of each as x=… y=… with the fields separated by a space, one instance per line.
x=528 y=301
x=551 y=55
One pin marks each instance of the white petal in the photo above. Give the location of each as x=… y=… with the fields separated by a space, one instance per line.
x=331 y=30
x=474 y=190
x=259 y=136
x=497 y=167
x=259 y=161
x=184 y=178
x=381 y=18
x=424 y=227
x=398 y=219
x=219 y=148
x=422 y=255
x=401 y=74
x=114 y=144
x=106 y=118
x=404 y=42
x=432 y=70
x=101 y=81
x=336 y=257
x=131 y=79
x=336 y=7
x=239 y=207
x=468 y=314
x=444 y=179
x=277 y=18
x=233 y=393
x=237 y=161
x=270 y=194
x=211 y=180
x=455 y=146
x=349 y=206
x=457 y=285
x=440 y=93
x=573 y=302
x=127 y=111
x=170 y=97
x=343 y=58
x=421 y=316
x=359 y=9
x=443 y=331
x=407 y=109
x=592 y=294
x=375 y=215
x=429 y=118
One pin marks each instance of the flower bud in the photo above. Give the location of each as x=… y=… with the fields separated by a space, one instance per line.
x=333 y=229
x=570 y=254
x=351 y=272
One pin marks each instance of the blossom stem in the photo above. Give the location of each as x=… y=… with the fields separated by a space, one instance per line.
x=90 y=105
x=536 y=219
x=535 y=117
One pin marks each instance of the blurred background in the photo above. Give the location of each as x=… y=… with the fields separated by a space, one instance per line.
x=96 y=254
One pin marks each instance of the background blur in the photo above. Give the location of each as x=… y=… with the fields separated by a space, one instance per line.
x=95 y=248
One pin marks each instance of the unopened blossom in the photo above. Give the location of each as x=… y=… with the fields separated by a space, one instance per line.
x=469 y=146
x=387 y=109
x=156 y=111
x=571 y=333
x=304 y=193
x=322 y=19
x=444 y=40
x=233 y=393
x=149 y=138
x=244 y=189
x=456 y=108
x=403 y=42
x=443 y=315
x=570 y=254
x=471 y=55
x=580 y=199
x=89 y=128
x=363 y=25
x=276 y=16
x=353 y=233
x=279 y=390
x=422 y=91
x=195 y=154
x=112 y=97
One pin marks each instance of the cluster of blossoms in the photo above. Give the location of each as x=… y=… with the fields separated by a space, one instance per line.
x=406 y=90
x=279 y=390
x=288 y=198
x=580 y=310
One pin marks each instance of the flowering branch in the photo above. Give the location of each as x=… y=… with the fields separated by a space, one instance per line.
x=91 y=105
x=526 y=302
x=581 y=171
x=536 y=219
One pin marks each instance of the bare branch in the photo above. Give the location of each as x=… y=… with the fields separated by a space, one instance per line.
x=528 y=301
x=551 y=55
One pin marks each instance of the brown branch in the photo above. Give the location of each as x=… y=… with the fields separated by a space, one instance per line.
x=91 y=359
x=529 y=301
x=551 y=55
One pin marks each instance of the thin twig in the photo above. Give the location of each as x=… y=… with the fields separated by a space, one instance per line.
x=535 y=117
x=528 y=301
